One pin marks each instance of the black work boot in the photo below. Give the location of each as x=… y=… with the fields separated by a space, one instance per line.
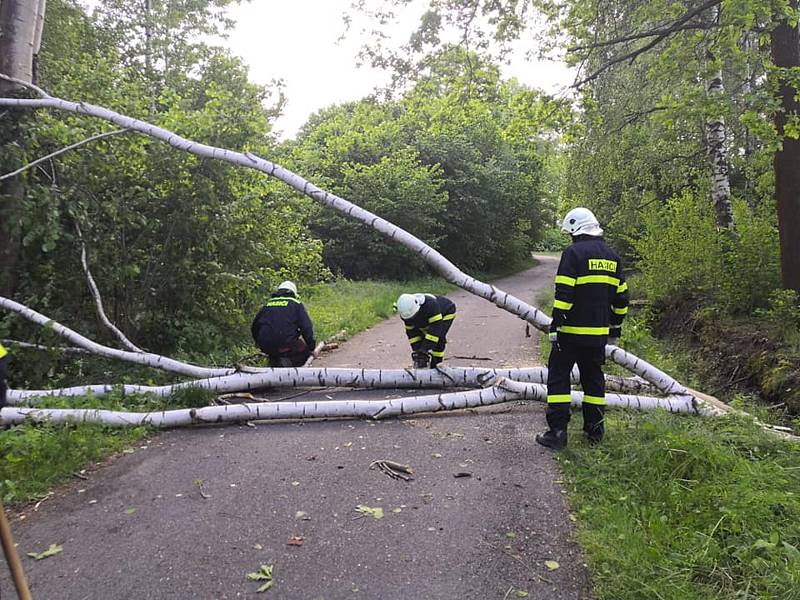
x=553 y=438
x=594 y=423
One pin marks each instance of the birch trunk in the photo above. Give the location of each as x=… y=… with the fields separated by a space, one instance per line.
x=21 y=24
x=144 y=358
x=444 y=377
x=436 y=260
x=504 y=391
x=717 y=152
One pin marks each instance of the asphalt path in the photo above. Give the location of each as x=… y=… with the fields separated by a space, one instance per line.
x=188 y=513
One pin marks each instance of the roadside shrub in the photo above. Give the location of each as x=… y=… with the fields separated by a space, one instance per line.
x=682 y=255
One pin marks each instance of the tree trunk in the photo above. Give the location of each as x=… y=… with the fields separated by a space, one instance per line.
x=785 y=48
x=21 y=24
x=717 y=153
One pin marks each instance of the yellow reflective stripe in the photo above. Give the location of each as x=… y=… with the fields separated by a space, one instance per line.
x=433 y=338
x=619 y=311
x=3 y=351
x=409 y=327
x=623 y=287
x=559 y=398
x=415 y=339
x=584 y=279
x=599 y=400
x=583 y=330
x=437 y=354
x=562 y=305
x=449 y=317
x=435 y=318
x=566 y=280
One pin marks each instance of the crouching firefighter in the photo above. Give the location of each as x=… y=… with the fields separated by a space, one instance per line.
x=283 y=330
x=591 y=300
x=427 y=319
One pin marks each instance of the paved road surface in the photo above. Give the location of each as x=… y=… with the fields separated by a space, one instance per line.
x=140 y=528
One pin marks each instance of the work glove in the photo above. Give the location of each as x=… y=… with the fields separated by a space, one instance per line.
x=421 y=359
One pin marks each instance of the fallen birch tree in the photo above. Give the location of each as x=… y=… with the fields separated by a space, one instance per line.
x=504 y=391
x=442 y=377
x=227 y=379
x=436 y=260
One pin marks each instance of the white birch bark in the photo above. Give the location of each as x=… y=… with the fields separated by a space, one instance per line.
x=144 y=358
x=717 y=152
x=261 y=411
x=504 y=391
x=436 y=260
x=444 y=377
x=20 y=35
x=98 y=299
x=685 y=403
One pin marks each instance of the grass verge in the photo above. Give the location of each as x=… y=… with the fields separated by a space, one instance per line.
x=676 y=507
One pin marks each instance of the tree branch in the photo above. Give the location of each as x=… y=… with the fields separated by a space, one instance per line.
x=98 y=300
x=99 y=136
x=632 y=55
x=39 y=91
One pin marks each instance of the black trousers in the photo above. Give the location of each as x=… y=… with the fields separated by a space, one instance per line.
x=437 y=352
x=590 y=360
x=3 y=386
x=294 y=355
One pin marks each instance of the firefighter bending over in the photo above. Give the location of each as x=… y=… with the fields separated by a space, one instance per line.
x=283 y=330
x=591 y=300
x=427 y=319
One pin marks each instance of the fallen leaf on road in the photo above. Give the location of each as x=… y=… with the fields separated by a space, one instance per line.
x=264 y=573
x=130 y=511
x=51 y=551
x=375 y=513
x=296 y=540
x=521 y=594
x=551 y=565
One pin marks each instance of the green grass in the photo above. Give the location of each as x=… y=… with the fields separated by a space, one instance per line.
x=357 y=305
x=678 y=507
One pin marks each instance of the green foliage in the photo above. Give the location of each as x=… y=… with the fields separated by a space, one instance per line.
x=683 y=256
x=676 y=507
x=357 y=305
x=473 y=149
x=36 y=457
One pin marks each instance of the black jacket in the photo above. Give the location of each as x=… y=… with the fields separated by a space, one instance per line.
x=591 y=293
x=426 y=327
x=281 y=321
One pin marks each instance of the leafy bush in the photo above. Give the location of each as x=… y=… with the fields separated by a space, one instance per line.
x=682 y=255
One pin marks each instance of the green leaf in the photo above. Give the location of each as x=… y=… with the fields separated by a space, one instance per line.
x=375 y=513
x=51 y=551
x=551 y=565
x=521 y=594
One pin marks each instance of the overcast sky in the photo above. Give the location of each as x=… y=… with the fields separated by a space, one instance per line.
x=295 y=40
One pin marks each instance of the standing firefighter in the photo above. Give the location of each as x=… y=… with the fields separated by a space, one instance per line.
x=591 y=301
x=283 y=330
x=3 y=361
x=427 y=319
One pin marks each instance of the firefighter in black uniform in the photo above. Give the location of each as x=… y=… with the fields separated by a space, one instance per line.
x=3 y=361
x=427 y=319
x=283 y=330
x=591 y=300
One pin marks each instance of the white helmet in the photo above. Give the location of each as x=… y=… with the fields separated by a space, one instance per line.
x=288 y=285
x=581 y=221
x=408 y=304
